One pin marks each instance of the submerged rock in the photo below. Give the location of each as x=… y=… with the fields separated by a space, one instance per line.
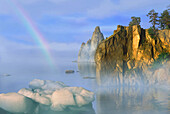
x=88 y=77
x=69 y=71
x=50 y=94
x=6 y=75
x=87 y=50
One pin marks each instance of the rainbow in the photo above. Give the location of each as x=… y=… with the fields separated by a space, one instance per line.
x=33 y=30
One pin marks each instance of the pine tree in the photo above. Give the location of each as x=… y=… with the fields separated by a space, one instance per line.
x=164 y=19
x=168 y=7
x=135 y=21
x=153 y=16
x=168 y=23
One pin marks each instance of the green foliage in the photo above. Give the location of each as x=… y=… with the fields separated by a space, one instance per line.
x=168 y=27
x=135 y=21
x=164 y=20
x=153 y=16
x=152 y=32
x=143 y=41
x=163 y=57
x=168 y=7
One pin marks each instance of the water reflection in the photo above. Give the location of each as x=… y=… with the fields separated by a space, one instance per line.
x=107 y=76
x=126 y=94
x=124 y=100
x=87 y=69
x=41 y=109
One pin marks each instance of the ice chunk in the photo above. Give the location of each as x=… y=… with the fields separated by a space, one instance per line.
x=46 y=84
x=80 y=100
x=52 y=85
x=87 y=95
x=61 y=99
x=71 y=96
x=82 y=96
x=35 y=96
x=46 y=93
x=57 y=94
x=36 y=84
x=16 y=103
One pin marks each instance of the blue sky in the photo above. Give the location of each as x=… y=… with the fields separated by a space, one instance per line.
x=65 y=24
x=73 y=20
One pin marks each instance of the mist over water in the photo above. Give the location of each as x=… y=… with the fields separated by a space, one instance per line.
x=110 y=98
x=124 y=100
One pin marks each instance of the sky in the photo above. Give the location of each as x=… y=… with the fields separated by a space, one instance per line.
x=65 y=24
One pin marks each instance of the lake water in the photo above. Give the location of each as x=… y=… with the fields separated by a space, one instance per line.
x=108 y=100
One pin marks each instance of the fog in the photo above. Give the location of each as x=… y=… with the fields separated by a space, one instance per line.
x=25 y=62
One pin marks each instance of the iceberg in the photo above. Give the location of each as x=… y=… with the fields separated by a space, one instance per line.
x=46 y=84
x=16 y=103
x=53 y=95
x=35 y=96
x=61 y=99
x=71 y=96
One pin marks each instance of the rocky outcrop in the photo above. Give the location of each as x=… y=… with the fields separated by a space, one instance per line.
x=87 y=50
x=129 y=53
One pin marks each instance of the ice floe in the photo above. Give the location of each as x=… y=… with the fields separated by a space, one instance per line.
x=52 y=94
x=16 y=103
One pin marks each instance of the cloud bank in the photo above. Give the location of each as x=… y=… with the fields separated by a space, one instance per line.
x=16 y=52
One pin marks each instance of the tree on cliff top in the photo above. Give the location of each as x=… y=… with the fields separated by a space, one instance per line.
x=135 y=21
x=168 y=7
x=169 y=18
x=153 y=18
x=164 y=20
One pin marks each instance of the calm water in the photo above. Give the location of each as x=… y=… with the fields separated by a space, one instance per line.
x=109 y=100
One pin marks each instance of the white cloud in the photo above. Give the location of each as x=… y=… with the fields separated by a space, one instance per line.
x=108 y=28
x=104 y=9
x=56 y=46
x=64 y=46
x=74 y=19
x=11 y=51
x=85 y=8
x=4 y=7
x=123 y=7
x=27 y=2
x=58 y=1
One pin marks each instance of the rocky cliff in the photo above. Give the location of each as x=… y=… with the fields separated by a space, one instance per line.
x=130 y=52
x=87 y=50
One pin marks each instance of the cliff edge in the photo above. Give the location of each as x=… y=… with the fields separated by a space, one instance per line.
x=131 y=49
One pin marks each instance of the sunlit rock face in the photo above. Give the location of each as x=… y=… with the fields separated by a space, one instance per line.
x=127 y=56
x=54 y=96
x=87 y=50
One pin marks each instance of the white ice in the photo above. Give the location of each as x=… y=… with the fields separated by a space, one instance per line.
x=56 y=95
x=16 y=103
